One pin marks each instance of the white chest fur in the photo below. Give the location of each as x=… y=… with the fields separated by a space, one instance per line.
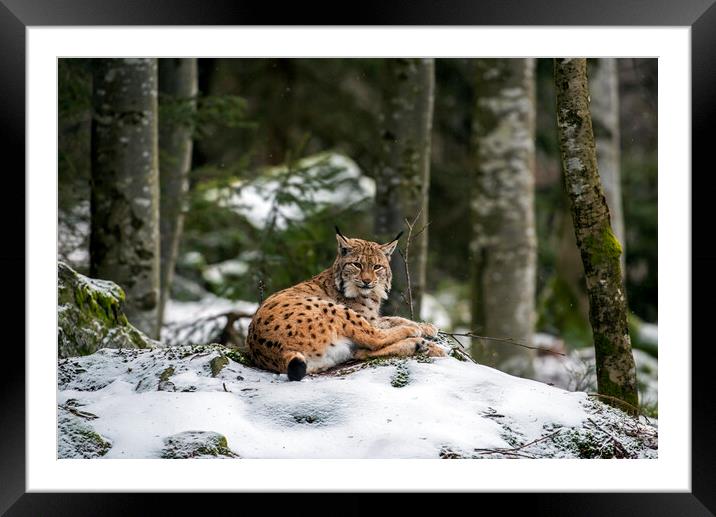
x=341 y=352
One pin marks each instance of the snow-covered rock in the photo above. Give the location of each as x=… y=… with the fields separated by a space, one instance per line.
x=207 y=401
x=90 y=316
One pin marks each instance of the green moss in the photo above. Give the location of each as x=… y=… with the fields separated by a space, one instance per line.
x=193 y=444
x=217 y=364
x=95 y=441
x=166 y=374
x=90 y=316
x=603 y=246
x=401 y=377
x=456 y=354
x=584 y=444
x=239 y=357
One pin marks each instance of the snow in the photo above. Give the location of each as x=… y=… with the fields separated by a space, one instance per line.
x=217 y=273
x=255 y=200
x=649 y=333
x=432 y=311
x=393 y=408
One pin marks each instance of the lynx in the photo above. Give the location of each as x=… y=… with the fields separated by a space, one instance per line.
x=335 y=316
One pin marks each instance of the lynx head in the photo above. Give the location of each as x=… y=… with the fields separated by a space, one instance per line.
x=362 y=268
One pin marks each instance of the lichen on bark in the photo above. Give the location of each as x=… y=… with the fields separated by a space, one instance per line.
x=599 y=248
x=504 y=243
x=403 y=176
x=124 y=236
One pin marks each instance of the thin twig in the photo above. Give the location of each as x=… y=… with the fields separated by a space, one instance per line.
x=261 y=287
x=513 y=450
x=502 y=340
x=79 y=413
x=406 y=256
x=634 y=409
x=407 y=259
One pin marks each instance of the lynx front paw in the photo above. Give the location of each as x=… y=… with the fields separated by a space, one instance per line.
x=428 y=329
x=436 y=351
x=430 y=349
x=412 y=331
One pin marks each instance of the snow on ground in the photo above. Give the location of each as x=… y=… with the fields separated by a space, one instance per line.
x=254 y=200
x=140 y=402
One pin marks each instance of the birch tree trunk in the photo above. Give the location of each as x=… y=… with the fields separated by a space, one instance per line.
x=178 y=89
x=504 y=243
x=604 y=87
x=124 y=236
x=403 y=178
x=599 y=248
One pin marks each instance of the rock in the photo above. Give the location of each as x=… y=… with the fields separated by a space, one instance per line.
x=90 y=316
x=196 y=444
x=76 y=437
x=217 y=364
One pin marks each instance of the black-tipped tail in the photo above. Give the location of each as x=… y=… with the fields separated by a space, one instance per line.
x=296 y=369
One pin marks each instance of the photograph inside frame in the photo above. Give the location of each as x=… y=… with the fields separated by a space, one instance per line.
x=357 y=258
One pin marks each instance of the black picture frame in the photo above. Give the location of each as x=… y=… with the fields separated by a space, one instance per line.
x=700 y=15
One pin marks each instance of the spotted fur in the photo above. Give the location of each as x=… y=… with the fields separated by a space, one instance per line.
x=335 y=316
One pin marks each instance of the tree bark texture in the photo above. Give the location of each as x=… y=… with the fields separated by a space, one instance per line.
x=124 y=237
x=604 y=88
x=504 y=242
x=599 y=248
x=403 y=178
x=177 y=89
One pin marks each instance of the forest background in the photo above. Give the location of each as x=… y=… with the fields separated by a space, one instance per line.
x=258 y=159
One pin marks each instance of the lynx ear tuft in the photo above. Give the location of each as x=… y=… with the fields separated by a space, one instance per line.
x=343 y=246
x=389 y=247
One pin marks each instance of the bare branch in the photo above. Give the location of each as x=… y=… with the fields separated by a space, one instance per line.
x=502 y=340
x=621 y=402
x=406 y=259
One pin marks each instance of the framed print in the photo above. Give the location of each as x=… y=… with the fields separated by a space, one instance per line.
x=273 y=192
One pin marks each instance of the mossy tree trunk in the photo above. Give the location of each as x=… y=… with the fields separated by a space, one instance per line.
x=403 y=177
x=604 y=88
x=599 y=248
x=177 y=90
x=124 y=236
x=504 y=243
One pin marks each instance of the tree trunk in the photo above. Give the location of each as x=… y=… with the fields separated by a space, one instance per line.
x=178 y=89
x=599 y=248
x=504 y=243
x=403 y=178
x=124 y=237
x=604 y=87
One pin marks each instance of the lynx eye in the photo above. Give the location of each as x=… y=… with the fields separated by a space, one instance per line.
x=377 y=267
x=356 y=265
